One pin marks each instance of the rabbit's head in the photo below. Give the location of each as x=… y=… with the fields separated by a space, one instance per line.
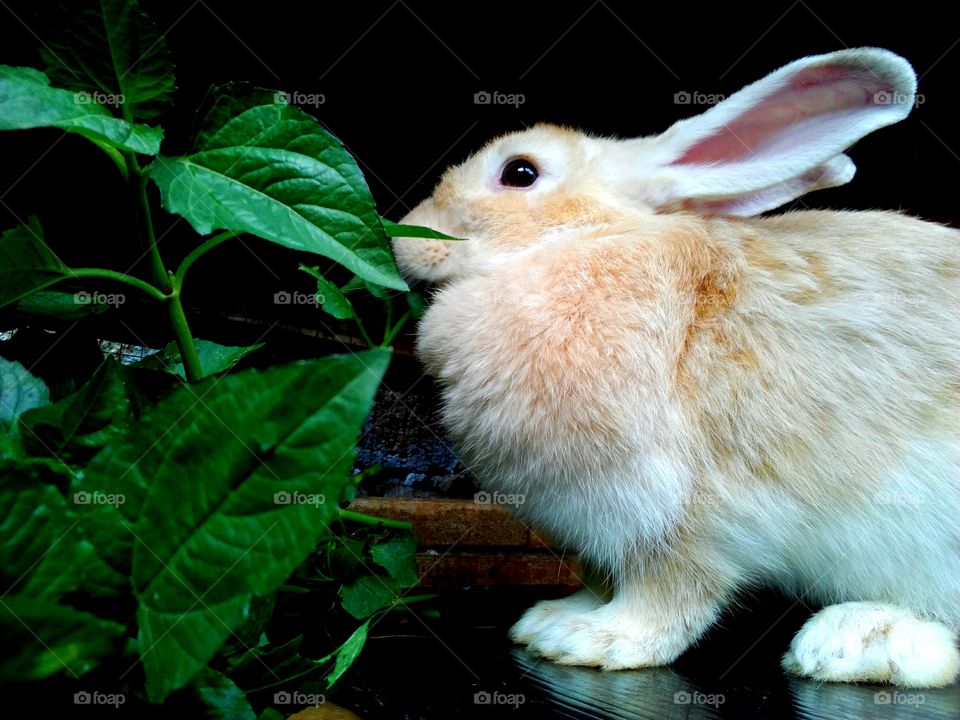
x=771 y=142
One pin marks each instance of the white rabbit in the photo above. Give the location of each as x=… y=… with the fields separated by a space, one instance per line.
x=697 y=401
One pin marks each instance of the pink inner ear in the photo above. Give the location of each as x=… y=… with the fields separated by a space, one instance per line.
x=811 y=96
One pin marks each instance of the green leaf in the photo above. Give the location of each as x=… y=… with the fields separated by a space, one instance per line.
x=19 y=391
x=331 y=299
x=416 y=304
x=42 y=551
x=231 y=482
x=272 y=171
x=77 y=426
x=26 y=263
x=61 y=305
x=113 y=47
x=28 y=101
x=397 y=555
x=367 y=595
x=221 y=698
x=348 y=652
x=393 y=230
x=41 y=638
x=270 y=714
x=214 y=358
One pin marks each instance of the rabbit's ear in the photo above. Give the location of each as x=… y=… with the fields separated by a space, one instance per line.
x=776 y=139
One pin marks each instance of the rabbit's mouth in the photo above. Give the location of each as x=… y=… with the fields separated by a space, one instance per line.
x=426 y=259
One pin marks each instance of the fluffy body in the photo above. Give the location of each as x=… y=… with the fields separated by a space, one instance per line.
x=697 y=404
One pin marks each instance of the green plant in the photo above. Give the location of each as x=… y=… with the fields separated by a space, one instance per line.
x=170 y=536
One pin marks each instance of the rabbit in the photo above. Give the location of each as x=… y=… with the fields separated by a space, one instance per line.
x=698 y=401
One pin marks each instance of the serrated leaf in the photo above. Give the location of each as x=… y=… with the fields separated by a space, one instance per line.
x=26 y=263
x=19 y=391
x=367 y=595
x=202 y=479
x=113 y=47
x=61 y=305
x=221 y=698
x=42 y=551
x=348 y=652
x=397 y=555
x=77 y=426
x=394 y=230
x=41 y=638
x=28 y=101
x=330 y=297
x=273 y=172
x=214 y=358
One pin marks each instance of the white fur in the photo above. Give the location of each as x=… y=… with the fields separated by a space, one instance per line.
x=859 y=641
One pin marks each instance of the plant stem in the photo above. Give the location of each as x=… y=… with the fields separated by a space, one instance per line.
x=119 y=277
x=200 y=251
x=160 y=275
x=401 y=601
x=363 y=332
x=389 y=336
x=167 y=282
x=181 y=332
x=370 y=520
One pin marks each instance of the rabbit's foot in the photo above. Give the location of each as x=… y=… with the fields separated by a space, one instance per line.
x=607 y=637
x=547 y=612
x=873 y=642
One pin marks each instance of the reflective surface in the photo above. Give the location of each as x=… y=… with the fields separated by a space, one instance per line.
x=462 y=666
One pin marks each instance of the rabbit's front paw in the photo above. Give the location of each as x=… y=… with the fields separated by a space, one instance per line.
x=870 y=642
x=606 y=637
x=547 y=612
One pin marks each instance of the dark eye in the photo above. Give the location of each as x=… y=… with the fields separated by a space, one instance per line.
x=519 y=173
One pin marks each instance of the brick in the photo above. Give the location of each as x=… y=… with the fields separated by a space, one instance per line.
x=507 y=568
x=443 y=523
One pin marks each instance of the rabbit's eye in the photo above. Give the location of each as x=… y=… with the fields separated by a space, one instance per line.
x=519 y=173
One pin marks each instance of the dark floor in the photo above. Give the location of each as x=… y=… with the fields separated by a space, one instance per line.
x=445 y=668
